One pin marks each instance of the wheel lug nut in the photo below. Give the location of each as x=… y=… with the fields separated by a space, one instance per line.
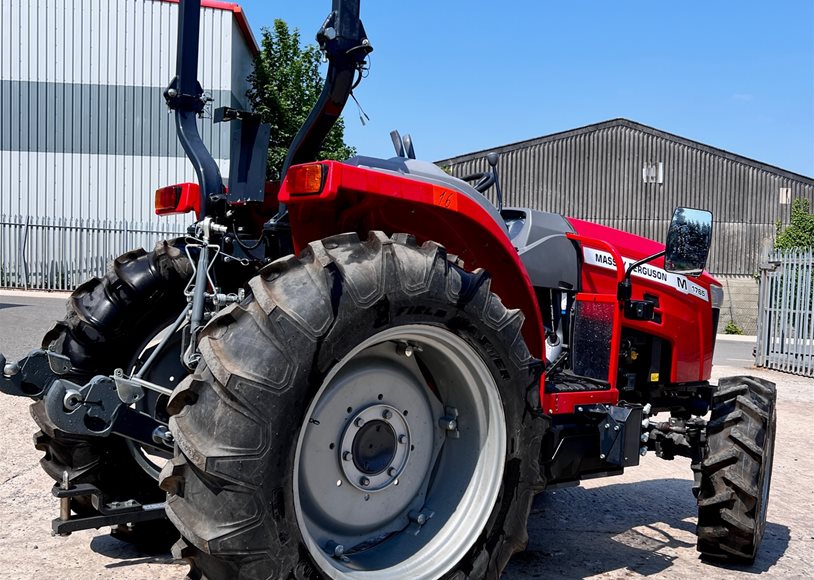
x=392 y=472
x=388 y=414
x=364 y=481
x=347 y=456
x=402 y=439
x=334 y=549
x=448 y=423
x=359 y=422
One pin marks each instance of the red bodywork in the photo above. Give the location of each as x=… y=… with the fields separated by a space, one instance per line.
x=686 y=317
x=560 y=403
x=355 y=199
x=359 y=199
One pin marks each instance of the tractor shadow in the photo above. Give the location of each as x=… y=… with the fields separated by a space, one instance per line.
x=641 y=528
x=124 y=554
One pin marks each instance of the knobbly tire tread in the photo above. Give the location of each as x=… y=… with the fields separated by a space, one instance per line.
x=237 y=418
x=736 y=466
x=106 y=320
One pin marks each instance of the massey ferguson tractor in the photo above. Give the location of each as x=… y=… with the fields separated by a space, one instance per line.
x=368 y=371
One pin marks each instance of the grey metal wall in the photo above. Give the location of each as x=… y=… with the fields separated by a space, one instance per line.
x=84 y=131
x=595 y=174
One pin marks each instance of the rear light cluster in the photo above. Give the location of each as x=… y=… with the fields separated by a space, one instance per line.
x=306 y=179
x=179 y=198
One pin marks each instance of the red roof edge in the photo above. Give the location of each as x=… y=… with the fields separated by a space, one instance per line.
x=240 y=17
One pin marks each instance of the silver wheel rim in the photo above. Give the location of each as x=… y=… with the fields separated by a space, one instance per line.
x=400 y=459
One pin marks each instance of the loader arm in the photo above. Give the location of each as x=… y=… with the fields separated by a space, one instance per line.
x=343 y=40
x=186 y=97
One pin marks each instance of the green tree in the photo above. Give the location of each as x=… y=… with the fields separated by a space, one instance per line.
x=800 y=231
x=285 y=84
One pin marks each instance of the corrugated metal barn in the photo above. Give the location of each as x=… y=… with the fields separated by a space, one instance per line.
x=85 y=135
x=630 y=176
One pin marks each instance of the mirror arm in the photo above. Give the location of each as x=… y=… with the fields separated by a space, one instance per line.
x=624 y=291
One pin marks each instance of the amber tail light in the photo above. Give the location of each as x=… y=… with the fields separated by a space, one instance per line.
x=306 y=179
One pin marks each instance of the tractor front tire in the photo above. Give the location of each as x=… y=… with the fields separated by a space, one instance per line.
x=108 y=321
x=362 y=413
x=736 y=471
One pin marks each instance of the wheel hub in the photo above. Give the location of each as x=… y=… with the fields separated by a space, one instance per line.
x=370 y=448
x=399 y=461
x=375 y=447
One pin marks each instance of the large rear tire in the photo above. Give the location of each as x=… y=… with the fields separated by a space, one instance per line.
x=736 y=471
x=319 y=435
x=108 y=322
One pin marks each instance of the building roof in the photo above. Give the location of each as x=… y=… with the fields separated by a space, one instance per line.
x=638 y=127
x=239 y=15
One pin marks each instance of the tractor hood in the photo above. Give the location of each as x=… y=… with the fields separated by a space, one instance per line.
x=632 y=247
x=686 y=306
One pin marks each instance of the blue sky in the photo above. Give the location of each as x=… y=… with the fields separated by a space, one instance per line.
x=464 y=76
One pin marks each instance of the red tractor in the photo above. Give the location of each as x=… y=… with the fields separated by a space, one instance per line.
x=368 y=371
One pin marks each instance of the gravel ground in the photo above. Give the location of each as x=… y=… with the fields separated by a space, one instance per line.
x=639 y=524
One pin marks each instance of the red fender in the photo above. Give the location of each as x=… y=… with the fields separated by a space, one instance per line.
x=355 y=199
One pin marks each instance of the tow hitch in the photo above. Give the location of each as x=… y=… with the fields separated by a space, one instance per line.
x=112 y=513
x=99 y=408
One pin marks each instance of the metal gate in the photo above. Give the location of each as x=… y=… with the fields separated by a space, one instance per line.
x=785 y=331
x=61 y=253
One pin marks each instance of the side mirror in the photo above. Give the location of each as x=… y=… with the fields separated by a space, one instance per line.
x=688 y=240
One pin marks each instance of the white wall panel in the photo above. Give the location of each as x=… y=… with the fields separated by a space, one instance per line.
x=40 y=22
x=83 y=79
x=5 y=40
x=11 y=31
x=120 y=42
x=103 y=186
x=241 y=63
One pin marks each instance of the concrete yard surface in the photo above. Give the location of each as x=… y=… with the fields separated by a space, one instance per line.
x=639 y=524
